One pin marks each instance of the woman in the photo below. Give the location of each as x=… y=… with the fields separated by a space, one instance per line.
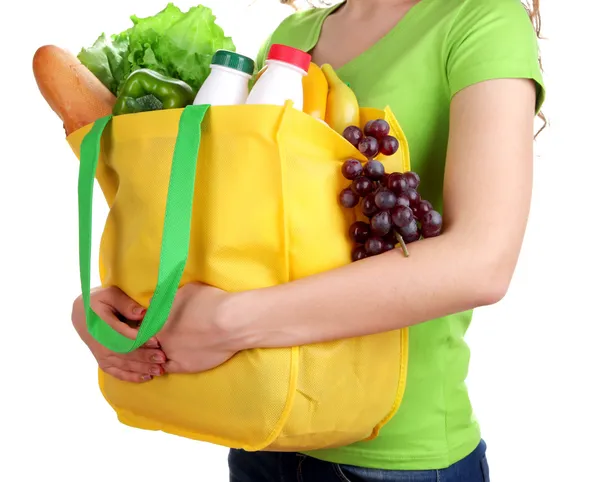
x=464 y=80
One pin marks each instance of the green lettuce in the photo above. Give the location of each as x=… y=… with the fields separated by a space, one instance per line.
x=173 y=43
x=106 y=60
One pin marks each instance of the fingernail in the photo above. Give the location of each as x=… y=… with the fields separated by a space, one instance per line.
x=146 y=378
x=152 y=343
x=155 y=371
x=138 y=310
x=157 y=359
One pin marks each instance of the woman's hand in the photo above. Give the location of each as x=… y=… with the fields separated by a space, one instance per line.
x=138 y=366
x=194 y=338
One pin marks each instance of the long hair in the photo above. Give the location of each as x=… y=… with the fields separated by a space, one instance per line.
x=532 y=7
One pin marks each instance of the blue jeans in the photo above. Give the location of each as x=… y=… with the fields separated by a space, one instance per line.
x=291 y=467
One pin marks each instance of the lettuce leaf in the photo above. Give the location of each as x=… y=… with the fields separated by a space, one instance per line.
x=106 y=60
x=188 y=45
x=173 y=43
x=145 y=36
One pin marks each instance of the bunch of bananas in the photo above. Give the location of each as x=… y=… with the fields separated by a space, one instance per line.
x=329 y=99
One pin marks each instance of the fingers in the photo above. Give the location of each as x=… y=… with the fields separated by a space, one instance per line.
x=117 y=309
x=124 y=305
x=145 y=355
x=152 y=343
x=139 y=363
x=126 y=376
x=140 y=368
x=107 y=314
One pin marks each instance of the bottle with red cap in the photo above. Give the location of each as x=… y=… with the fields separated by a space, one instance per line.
x=282 y=78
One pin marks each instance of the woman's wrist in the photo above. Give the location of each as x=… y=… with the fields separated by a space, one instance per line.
x=238 y=320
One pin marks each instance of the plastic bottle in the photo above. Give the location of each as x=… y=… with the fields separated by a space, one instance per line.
x=282 y=79
x=227 y=83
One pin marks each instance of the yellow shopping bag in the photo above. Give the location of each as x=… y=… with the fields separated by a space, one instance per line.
x=238 y=197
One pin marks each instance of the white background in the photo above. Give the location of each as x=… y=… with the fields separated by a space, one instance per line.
x=535 y=355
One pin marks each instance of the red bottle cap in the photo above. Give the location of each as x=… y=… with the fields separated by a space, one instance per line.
x=290 y=55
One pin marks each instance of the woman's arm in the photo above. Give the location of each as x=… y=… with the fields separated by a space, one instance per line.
x=487 y=192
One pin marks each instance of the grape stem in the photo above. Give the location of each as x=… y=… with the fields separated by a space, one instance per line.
x=402 y=245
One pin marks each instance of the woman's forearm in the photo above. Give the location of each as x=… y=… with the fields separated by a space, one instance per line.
x=375 y=295
x=487 y=192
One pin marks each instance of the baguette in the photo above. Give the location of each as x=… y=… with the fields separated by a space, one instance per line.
x=71 y=90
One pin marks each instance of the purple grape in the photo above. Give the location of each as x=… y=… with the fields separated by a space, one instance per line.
x=385 y=199
x=384 y=179
x=369 y=208
x=374 y=246
x=402 y=216
x=359 y=232
x=378 y=128
x=411 y=238
x=431 y=225
x=374 y=170
x=381 y=223
x=409 y=233
x=403 y=200
x=348 y=198
x=391 y=238
x=423 y=208
x=358 y=253
x=353 y=135
x=362 y=186
x=368 y=147
x=388 y=245
x=351 y=169
x=413 y=179
x=413 y=196
x=389 y=145
x=397 y=183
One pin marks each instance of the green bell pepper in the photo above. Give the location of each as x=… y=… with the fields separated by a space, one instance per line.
x=170 y=93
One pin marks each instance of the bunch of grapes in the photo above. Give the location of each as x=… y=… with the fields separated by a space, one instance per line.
x=391 y=202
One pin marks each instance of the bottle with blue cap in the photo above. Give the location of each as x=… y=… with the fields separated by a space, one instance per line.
x=227 y=83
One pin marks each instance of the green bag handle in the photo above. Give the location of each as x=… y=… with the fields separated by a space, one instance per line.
x=176 y=229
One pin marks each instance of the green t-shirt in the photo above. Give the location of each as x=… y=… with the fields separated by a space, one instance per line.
x=439 y=48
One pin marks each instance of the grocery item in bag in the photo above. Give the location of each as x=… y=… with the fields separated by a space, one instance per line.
x=282 y=79
x=147 y=90
x=72 y=91
x=174 y=43
x=342 y=105
x=315 y=92
x=227 y=83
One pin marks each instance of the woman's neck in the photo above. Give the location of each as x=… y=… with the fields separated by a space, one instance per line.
x=362 y=8
x=355 y=27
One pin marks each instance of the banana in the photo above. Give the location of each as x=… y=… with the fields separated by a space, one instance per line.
x=342 y=106
x=315 y=92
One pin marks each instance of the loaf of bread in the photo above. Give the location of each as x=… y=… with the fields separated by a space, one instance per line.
x=71 y=90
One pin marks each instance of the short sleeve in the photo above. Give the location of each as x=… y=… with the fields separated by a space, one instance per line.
x=492 y=39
